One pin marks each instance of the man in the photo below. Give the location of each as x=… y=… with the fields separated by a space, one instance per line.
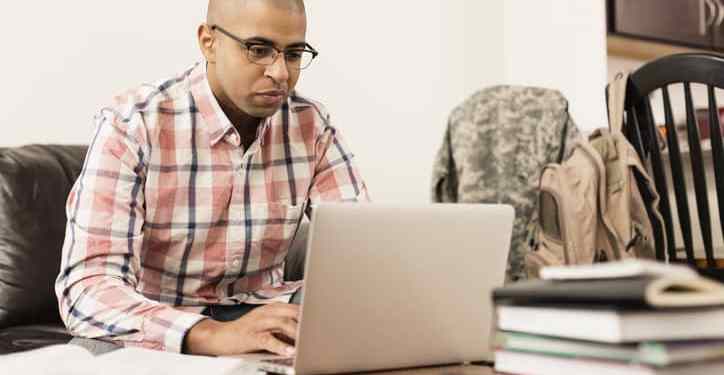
x=193 y=190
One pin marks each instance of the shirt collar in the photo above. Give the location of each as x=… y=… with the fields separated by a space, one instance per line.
x=217 y=124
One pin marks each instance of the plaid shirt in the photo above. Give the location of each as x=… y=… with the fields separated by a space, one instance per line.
x=171 y=214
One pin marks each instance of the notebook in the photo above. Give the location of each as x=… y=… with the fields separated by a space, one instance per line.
x=530 y=363
x=76 y=360
x=634 y=292
x=663 y=353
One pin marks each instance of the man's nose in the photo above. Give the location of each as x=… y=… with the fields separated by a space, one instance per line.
x=278 y=70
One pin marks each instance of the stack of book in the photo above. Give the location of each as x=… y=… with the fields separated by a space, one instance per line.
x=632 y=317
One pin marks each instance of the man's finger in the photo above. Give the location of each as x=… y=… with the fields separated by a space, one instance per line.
x=288 y=328
x=285 y=326
x=274 y=345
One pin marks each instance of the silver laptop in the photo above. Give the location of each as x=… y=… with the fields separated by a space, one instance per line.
x=395 y=286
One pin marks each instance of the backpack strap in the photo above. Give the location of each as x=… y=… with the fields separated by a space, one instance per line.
x=649 y=194
x=616 y=100
x=616 y=95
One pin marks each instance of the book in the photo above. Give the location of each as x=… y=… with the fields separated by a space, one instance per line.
x=634 y=292
x=616 y=270
x=649 y=353
x=76 y=360
x=528 y=363
x=613 y=325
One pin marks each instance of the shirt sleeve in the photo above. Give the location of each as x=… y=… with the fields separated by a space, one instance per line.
x=96 y=287
x=336 y=176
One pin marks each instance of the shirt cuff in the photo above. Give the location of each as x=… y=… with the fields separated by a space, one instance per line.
x=167 y=328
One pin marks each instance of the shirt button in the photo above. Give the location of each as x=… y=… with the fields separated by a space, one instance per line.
x=236 y=262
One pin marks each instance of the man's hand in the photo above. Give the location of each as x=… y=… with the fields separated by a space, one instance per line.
x=268 y=327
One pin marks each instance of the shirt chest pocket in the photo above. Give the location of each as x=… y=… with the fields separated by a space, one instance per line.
x=273 y=228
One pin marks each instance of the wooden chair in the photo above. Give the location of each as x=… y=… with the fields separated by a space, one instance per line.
x=640 y=129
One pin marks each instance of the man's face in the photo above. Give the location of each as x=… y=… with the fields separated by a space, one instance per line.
x=255 y=89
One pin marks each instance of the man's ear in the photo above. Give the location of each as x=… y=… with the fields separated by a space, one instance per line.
x=206 y=42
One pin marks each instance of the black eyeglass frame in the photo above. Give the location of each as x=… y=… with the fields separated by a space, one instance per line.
x=248 y=44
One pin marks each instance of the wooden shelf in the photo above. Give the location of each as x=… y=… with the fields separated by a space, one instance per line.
x=644 y=50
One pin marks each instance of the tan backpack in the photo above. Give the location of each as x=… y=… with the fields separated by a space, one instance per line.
x=590 y=208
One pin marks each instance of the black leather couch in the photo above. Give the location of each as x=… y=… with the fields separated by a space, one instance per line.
x=34 y=184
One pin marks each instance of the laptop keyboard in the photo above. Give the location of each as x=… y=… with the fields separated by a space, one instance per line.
x=281 y=361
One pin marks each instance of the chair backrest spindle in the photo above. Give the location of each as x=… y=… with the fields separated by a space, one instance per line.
x=717 y=152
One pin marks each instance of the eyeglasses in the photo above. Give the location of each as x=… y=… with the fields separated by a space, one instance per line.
x=262 y=53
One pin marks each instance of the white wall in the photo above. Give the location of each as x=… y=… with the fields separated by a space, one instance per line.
x=560 y=44
x=63 y=60
x=389 y=71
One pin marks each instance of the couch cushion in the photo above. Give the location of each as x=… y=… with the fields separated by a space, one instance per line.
x=34 y=185
x=18 y=339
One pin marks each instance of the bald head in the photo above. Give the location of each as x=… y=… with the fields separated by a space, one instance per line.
x=221 y=12
x=246 y=88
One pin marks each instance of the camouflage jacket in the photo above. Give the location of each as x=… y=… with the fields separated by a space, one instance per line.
x=495 y=146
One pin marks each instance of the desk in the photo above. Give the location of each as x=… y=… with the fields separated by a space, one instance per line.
x=443 y=370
